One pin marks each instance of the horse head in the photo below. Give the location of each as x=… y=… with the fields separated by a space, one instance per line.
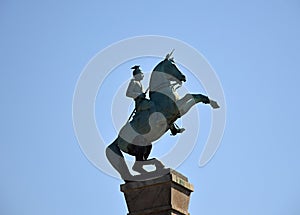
x=169 y=67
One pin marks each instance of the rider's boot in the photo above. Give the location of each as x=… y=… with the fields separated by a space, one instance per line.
x=175 y=129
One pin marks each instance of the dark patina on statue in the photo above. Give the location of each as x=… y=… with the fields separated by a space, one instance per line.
x=152 y=118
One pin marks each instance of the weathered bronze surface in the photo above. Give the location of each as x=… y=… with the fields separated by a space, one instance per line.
x=152 y=118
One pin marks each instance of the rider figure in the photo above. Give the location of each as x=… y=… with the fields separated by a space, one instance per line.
x=135 y=91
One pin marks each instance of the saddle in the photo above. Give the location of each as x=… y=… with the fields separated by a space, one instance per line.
x=140 y=121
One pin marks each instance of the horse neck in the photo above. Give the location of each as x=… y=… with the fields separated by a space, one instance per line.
x=158 y=81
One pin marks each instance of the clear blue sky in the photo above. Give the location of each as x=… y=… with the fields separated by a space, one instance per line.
x=253 y=47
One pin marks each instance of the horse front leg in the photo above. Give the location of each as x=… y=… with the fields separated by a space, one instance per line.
x=201 y=98
x=189 y=100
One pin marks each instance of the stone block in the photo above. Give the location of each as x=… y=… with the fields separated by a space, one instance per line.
x=166 y=195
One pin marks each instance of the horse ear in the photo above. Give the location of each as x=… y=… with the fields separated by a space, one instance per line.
x=172 y=52
x=169 y=54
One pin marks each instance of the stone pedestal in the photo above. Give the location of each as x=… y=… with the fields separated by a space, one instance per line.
x=166 y=195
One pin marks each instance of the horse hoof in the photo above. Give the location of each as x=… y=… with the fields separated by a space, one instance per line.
x=158 y=164
x=139 y=168
x=214 y=104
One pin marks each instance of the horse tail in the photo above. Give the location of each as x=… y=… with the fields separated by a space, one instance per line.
x=116 y=159
x=114 y=147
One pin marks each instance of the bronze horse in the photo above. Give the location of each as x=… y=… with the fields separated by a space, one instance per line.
x=136 y=136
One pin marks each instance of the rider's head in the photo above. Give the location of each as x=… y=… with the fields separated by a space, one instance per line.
x=137 y=73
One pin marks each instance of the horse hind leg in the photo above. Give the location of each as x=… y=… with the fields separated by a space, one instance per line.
x=142 y=153
x=141 y=157
x=138 y=165
x=141 y=161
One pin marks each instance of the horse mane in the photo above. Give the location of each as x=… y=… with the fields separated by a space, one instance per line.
x=157 y=68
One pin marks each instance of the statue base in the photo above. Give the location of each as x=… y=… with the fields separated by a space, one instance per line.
x=166 y=195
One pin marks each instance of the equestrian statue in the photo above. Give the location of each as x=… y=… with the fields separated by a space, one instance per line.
x=151 y=118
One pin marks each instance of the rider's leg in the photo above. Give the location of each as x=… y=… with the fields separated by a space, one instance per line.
x=175 y=129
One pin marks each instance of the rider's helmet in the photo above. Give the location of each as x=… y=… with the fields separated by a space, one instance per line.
x=136 y=70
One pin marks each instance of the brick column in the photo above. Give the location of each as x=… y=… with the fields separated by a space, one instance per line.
x=166 y=195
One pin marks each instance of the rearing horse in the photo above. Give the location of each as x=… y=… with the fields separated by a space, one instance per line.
x=136 y=136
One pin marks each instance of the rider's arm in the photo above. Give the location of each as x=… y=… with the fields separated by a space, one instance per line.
x=133 y=90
